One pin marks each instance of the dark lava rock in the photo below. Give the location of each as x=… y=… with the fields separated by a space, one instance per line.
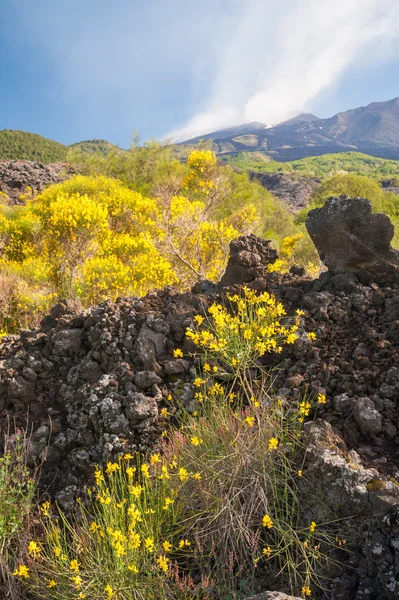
x=249 y=258
x=293 y=190
x=17 y=176
x=350 y=238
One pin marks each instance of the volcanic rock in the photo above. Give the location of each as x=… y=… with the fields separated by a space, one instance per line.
x=249 y=258
x=350 y=238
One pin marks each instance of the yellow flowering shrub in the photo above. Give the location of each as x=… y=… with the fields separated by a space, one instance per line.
x=286 y=259
x=94 y=238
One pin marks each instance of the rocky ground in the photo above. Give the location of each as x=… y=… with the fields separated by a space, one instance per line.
x=94 y=383
x=391 y=185
x=293 y=190
x=17 y=175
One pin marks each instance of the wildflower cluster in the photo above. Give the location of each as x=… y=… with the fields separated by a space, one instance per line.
x=239 y=338
x=128 y=529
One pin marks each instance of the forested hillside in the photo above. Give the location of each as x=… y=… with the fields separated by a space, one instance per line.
x=317 y=166
x=21 y=145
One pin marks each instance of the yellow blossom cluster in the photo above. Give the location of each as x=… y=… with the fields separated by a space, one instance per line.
x=135 y=506
x=241 y=335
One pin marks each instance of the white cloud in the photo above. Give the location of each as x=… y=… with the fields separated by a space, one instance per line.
x=196 y=66
x=282 y=55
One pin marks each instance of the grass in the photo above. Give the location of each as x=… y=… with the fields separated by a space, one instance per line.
x=17 y=492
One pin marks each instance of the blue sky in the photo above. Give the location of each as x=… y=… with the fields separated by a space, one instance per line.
x=82 y=69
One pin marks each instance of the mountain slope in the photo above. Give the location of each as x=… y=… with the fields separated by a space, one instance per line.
x=22 y=145
x=373 y=129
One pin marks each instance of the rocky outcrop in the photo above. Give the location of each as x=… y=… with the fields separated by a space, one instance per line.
x=26 y=178
x=391 y=185
x=295 y=191
x=248 y=260
x=350 y=238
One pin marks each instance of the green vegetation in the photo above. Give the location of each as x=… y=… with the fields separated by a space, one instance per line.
x=317 y=166
x=21 y=145
x=215 y=510
x=94 y=238
x=17 y=491
x=95 y=147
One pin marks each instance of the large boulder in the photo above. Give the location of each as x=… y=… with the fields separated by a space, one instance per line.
x=350 y=238
x=248 y=260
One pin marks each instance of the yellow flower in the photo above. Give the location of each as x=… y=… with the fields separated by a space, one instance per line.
x=135 y=541
x=267 y=551
x=167 y=546
x=109 y=590
x=196 y=441
x=306 y=591
x=127 y=456
x=197 y=476
x=57 y=551
x=149 y=544
x=111 y=467
x=291 y=338
x=45 y=508
x=267 y=522
x=145 y=469
x=34 y=549
x=234 y=362
x=74 y=566
x=183 y=474
x=94 y=527
x=198 y=319
x=82 y=595
x=250 y=421
x=155 y=459
x=300 y=473
x=273 y=443
x=198 y=382
x=177 y=353
x=130 y=471
x=207 y=367
x=22 y=571
x=299 y=313
x=163 y=562
x=98 y=476
x=312 y=526
x=77 y=580
x=311 y=335
x=165 y=412
x=321 y=399
x=133 y=568
x=51 y=583
x=168 y=502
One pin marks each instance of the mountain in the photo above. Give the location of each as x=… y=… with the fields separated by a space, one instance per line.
x=22 y=145
x=372 y=129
